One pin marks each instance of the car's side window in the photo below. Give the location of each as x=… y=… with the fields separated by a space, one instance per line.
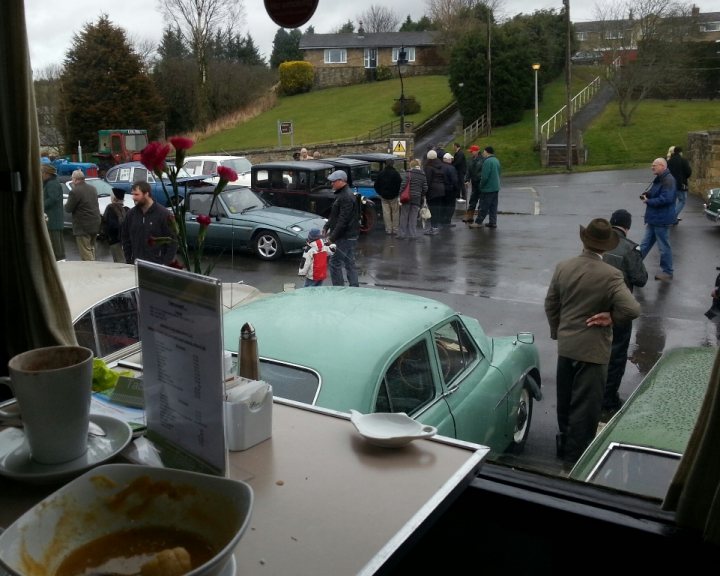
x=209 y=167
x=200 y=203
x=192 y=167
x=109 y=326
x=454 y=348
x=408 y=383
x=140 y=175
x=112 y=176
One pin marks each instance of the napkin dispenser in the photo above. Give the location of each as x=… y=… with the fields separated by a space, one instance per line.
x=248 y=413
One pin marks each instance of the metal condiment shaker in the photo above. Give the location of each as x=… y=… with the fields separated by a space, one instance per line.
x=248 y=361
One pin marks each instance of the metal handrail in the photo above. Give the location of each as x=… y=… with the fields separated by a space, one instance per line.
x=559 y=119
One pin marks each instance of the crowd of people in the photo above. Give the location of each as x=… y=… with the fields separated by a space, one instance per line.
x=589 y=303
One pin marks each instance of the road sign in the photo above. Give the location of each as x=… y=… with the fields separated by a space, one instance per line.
x=286 y=127
x=399 y=147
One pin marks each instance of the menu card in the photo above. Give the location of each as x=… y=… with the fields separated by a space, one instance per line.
x=183 y=368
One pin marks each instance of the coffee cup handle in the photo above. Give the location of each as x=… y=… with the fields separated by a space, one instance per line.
x=14 y=409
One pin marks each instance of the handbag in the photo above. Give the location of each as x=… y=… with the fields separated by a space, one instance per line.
x=425 y=213
x=405 y=194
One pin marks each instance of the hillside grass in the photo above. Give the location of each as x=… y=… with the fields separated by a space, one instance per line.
x=342 y=113
x=332 y=114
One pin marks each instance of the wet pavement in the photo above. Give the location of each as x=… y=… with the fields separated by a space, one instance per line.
x=500 y=276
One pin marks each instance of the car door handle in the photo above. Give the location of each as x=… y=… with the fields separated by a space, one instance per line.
x=454 y=388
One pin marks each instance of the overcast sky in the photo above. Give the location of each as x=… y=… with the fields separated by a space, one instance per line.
x=51 y=27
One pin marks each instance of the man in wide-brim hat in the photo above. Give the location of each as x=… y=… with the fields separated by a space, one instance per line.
x=585 y=297
x=53 y=207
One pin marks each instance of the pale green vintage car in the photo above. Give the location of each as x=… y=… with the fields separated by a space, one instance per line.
x=640 y=448
x=375 y=350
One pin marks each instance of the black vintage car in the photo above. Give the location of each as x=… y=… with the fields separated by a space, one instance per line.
x=303 y=184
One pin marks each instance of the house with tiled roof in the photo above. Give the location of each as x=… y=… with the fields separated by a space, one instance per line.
x=606 y=34
x=350 y=58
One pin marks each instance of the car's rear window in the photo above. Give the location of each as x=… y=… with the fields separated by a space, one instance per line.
x=290 y=382
x=636 y=469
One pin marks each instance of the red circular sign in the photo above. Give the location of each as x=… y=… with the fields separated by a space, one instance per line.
x=290 y=13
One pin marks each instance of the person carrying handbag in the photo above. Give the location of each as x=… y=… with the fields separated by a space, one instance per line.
x=409 y=210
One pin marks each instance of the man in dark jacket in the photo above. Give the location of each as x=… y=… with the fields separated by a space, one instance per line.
x=460 y=164
x=342 y=229
x=436 y=191
x=147 y=233
x=53 y=205
x=387 y=185
x=625 y=257
x=451 y=186
x=474 y=173
x=680 y=169
x=659 y=201
x=82 y=203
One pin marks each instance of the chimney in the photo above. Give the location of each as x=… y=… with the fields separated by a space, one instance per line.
x=695 y=11
x=361 y=30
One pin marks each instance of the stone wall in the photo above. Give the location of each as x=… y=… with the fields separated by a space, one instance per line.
x=703 y=153
x=326 y=77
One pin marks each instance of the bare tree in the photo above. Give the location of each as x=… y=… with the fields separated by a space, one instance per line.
x=379 y=19
x=456 y=18
x=198 y=21
x=146 y=49
x=641 y=40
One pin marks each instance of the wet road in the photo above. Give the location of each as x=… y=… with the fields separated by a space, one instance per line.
x=500 y=276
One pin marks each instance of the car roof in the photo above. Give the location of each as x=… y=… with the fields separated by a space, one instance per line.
x=213 y=157
x=662 y=411
x=373 y=156
x=338 y=331
x=88 y=282
x=342 y=161
x=293 y=165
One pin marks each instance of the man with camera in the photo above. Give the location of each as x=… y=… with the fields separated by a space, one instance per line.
x=659 y=201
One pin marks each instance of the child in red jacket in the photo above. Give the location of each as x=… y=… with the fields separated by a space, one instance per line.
x=315 y=259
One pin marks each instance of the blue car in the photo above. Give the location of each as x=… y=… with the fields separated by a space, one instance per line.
x=124 y=175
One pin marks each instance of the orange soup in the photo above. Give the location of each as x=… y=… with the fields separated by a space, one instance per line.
x=125 y=552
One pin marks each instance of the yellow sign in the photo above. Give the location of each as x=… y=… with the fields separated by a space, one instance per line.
x=399 y=147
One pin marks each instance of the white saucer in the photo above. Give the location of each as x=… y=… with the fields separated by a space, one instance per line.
x=15 y=461
x=230 y=567
x=390 y=429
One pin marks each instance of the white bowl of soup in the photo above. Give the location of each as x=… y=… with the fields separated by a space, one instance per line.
x=126 y=519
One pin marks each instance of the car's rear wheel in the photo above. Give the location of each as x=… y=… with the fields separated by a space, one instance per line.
x=523 y=417
x=267 y=245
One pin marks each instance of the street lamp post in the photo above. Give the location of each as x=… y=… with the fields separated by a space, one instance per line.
x=536 y=67
x=401 y=62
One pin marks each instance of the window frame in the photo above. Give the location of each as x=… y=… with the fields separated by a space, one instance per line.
x=341 y=53
x=409 y=51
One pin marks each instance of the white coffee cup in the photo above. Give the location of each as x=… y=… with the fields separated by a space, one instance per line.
x=53 y=388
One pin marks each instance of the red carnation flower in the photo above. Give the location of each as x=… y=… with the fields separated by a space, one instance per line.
x=153 y=156
x=203 y=220
x=227 y=173
x=181 y=143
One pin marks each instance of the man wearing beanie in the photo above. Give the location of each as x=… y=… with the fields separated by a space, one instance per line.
x=585 y=297
x=113 y=219
x=627 y=258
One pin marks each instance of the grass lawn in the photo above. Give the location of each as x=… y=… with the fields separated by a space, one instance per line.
x=352 y=111
x=333 y=114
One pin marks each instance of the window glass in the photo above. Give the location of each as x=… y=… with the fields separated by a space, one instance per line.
x=84 y=332
x=454 y=348
x=193 y=167
x=409 y=53
x=335 y=56
x=291 y=382
x=408 y=383
x=116 y=322
x=140 y=175
x=112 y=175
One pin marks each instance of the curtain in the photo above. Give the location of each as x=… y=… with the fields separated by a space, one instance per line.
x=35 y=312
x=694 y=493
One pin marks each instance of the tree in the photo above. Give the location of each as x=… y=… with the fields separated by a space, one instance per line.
x=641 y=40
x=347 y=28
x=198 y=21
x=103 y=85
x=420 y=26
x=47 y=104
x=286 y=47
x=379 y=19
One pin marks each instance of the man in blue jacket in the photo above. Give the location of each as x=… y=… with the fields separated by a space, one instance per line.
x=659 y=201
